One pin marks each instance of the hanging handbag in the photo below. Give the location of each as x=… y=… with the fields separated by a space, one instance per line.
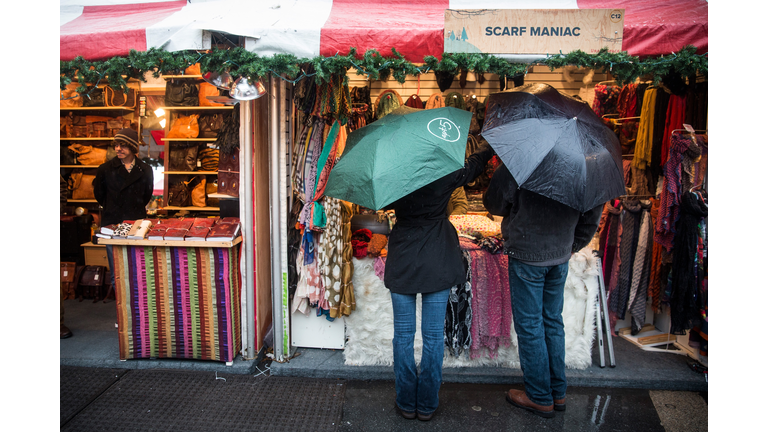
x=179 y=194
x=183 y=158
x=68 y=279
x=181 y=93
x=93 y=97
x=69 y=97
x=119 y=98
x=89 y=155
x=211 y=188
x=90 y=283
x=209 y=159
x=210 y=125
x=185 y=127
x=198 y=194
x=207 y=89
x=81 y=186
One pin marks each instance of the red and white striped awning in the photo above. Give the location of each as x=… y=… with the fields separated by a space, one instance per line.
x=100 y=29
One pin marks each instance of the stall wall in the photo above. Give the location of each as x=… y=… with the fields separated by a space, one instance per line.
x=426 y=85
x=262 y=280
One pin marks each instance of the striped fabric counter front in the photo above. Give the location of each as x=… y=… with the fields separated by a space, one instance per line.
x=178 y=302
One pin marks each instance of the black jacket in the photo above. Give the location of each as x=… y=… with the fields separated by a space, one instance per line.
x=123 y=195
x=536 y=228
x=423 y=252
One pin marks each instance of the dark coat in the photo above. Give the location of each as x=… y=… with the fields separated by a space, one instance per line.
x=423 y=254
x=123 y=195
x=536 y=228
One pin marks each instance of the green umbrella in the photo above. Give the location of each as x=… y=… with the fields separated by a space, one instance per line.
x=398 y=154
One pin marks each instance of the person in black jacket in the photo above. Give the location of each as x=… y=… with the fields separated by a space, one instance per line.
x=424 y=258
x=123 y=185
x=540 y=235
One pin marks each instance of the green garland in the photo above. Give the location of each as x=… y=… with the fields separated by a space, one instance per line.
x=240 y=62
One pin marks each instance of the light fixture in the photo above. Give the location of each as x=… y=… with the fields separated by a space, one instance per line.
x=162 y=123
x=243 y=89
x=159 y=112
x=222 y=80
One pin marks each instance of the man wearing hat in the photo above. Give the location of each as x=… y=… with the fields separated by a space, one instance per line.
x=123 y=185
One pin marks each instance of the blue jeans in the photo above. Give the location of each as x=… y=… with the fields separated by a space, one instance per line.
x=111 y=261
x=537 y=312
x=419 y=392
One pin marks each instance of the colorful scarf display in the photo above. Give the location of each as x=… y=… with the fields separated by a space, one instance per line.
x=178 y=302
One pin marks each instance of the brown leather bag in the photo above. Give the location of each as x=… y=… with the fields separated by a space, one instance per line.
x=179 y=194
x=69 y=97
x=81 y=186
x=68 y=278
x=91 y=283
x=119 y=98
x=89 y=155
x=198 y=194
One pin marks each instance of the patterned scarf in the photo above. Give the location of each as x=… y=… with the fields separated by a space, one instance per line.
x=684 y=289
x=458 y=320
x=630 y=222
x=641 y=271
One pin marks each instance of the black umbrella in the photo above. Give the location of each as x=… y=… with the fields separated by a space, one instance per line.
x=555 y=145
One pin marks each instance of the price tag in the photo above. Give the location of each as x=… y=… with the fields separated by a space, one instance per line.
x=95 y=277
x=66 y=273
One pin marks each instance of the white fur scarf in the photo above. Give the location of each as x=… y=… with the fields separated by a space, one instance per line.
x=369 y=329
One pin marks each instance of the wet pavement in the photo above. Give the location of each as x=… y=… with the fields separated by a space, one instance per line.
x=102 y=399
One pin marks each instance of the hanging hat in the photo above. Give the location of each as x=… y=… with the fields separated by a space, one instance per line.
x=129 y=138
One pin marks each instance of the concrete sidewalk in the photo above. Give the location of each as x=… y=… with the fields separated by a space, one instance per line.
x=97 y=399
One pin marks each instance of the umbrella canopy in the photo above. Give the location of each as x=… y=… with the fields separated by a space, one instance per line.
x=398 y=154
x=555 y=145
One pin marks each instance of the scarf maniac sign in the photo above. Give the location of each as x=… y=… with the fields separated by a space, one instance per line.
x=519 y=31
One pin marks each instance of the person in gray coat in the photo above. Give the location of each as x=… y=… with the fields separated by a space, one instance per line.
x=540 y=235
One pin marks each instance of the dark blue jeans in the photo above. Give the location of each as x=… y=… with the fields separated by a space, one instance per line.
x=418 y=392
x=111 y=261
x=537 y=312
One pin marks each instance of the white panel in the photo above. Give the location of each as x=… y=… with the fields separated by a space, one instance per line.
x=316 y=332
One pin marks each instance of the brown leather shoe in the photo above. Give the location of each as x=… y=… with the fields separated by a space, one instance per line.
x=425 y=417
x=560 y=404
x=519 y=399
x=65 y=332
x=408 y=415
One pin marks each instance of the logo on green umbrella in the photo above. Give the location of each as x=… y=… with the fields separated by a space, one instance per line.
x=444 y=129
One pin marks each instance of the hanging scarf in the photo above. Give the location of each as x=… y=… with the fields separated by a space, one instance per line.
x=330 y=248
x=654 y=282
x=644 y=143
x=324 y=165
x=675 y=118
x=641 y=271
x=683 y=304
x=458 y=320
x=630 y=222
x=491 y=304
x=675 y=177
x=346 y=303
x=611 y=243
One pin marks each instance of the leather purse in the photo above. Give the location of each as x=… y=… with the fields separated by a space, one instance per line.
x=68 y=278
x=93 y=97
x=181 y=93
x=91 y=282
x=81 y=186
x=209 y=159
x=210 y=125
x=207 y=89
x=183 y=158
x=119 y=98
x=69 y=97
x=179 y=194
x=89 y=155
x=198 y=194
x=185 y=127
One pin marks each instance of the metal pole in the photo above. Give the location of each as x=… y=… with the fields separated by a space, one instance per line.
x=599 y=320
x=604 y=310
x=246 y=209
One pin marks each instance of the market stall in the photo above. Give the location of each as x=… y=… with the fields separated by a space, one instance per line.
x=271 y=129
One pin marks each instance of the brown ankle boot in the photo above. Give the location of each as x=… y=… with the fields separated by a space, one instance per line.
x=519 y=399
x=560 y=404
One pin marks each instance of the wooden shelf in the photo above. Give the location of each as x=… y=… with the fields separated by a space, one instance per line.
x=190 y=208
x=210 y=244
x=191 y=172
x=182 y=76
x=79 y=166
x=221 y=196
x=189 y=139
x=204 y=108
x=88 y=139
x=81 y=201
x=97 y=108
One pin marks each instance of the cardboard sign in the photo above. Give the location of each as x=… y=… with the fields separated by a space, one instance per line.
x=533 y=31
